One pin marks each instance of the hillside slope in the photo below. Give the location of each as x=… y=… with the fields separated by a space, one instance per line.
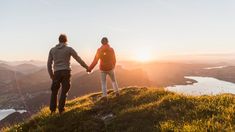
x=138 y=109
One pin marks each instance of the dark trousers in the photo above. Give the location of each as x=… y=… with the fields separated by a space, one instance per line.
x=61 y=77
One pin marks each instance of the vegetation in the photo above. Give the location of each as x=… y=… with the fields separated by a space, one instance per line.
x=138 y=109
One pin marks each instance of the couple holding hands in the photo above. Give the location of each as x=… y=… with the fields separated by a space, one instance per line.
x=59 y=69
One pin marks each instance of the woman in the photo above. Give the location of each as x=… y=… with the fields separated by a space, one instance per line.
x=107 y=59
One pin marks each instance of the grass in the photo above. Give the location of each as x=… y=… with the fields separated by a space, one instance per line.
x=137 y=109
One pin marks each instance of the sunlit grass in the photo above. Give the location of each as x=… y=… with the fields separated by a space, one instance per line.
x=138 y=109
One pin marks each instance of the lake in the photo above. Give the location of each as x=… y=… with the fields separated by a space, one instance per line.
x=215 y=67
x=5 y=112
x=204 y=86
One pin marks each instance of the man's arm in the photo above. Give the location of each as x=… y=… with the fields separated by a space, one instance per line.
x=95 y=61
x=78 y=59
x=49 y=65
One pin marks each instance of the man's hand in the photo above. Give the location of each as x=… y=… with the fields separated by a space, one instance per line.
x=88 y=70
x=52 y=77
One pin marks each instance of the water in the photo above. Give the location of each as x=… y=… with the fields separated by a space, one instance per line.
x=204 y=86
x=216 y=67
x=5 y=112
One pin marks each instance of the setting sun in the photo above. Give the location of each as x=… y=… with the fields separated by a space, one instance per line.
x=143 y=55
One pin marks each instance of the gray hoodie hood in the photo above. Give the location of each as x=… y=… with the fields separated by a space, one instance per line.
x=60 y=45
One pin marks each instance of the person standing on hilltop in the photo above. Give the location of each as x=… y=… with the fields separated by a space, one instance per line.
x=107 y=58
x=59 y=57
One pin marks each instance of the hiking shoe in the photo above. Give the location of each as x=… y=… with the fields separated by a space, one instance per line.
x=61 y=111
x=52 y=112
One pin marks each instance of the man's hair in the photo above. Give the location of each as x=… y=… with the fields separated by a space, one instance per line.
x=104 y=40
x=62 y=38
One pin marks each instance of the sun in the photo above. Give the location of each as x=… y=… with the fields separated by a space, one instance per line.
x=143 y=55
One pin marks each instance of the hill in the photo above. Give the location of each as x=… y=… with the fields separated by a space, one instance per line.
x=225 y=73
x=138 y=109
x=27 y=68
x=32 y=91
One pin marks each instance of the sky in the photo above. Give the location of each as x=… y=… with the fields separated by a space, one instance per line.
x=135 y=28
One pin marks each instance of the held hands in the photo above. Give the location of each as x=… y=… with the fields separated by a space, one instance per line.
x=88 y=70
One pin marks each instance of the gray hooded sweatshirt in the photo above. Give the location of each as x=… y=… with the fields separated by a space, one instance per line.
x=60 y=56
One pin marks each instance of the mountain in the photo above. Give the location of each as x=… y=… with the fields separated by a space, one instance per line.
x=4 y=65
x=7 y=75
x=227 y=58
x=12 y=86
x=11 y=73
x=26 y=68
x=84 y=83
x=38 y=77
x=33 y=91
x=23 y=68
x=163 y=74
x=32 y=62
x=35 y=87
x=14 y=118
x=137 y=109
x=226 y=73
x=77 y=68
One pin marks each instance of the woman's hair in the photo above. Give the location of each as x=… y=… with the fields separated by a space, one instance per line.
x=104 y=40
x=62 y=38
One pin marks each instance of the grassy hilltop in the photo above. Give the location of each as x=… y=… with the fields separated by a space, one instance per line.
x=138 y=109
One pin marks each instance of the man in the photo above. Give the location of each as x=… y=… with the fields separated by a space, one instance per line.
x=60 y=56
x=107 y=58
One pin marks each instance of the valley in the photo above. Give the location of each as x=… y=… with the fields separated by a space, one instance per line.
x=27 y=87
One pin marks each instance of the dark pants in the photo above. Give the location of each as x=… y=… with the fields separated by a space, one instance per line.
x=61 y=77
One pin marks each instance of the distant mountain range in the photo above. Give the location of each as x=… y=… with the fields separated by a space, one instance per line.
x=32 y=62
x=31 y=83
x=219 y=58
x=33 y=89
x=27 y=86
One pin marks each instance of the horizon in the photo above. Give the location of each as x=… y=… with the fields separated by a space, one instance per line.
x=138 y=31
x=217 y=59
